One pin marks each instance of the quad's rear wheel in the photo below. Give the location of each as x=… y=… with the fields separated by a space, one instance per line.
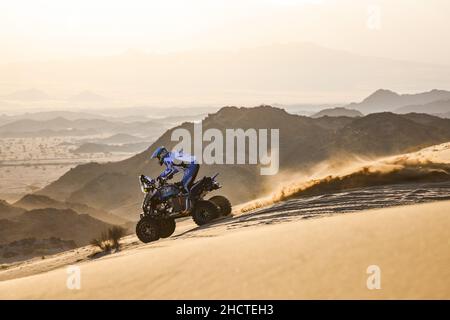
x=148 y=229
x=204 y=212
x=223 y=204
x=166 y=227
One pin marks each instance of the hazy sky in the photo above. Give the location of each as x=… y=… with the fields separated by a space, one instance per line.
x=175 y=52
x=53 y=29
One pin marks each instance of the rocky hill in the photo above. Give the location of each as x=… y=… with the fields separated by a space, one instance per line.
x=65 y=224
x=8 y=211
x=35 y=201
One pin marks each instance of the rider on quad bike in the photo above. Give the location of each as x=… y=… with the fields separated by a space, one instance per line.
x=164 y=203
x=174 y=162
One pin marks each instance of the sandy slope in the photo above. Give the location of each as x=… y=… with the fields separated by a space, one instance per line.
x=315 y=258
x=360 y=172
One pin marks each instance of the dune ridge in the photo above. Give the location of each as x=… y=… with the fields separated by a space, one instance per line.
x=430 y=164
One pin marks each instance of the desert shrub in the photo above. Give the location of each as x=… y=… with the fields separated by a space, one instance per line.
x=115 y=234
x=102 y=242
x=110 y=239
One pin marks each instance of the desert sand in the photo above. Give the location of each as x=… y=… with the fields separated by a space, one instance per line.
x=320 y=258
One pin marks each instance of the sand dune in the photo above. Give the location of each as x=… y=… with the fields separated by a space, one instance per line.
x=431 y=164
x=316 y=258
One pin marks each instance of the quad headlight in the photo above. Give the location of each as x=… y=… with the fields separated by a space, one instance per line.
x=146 y=183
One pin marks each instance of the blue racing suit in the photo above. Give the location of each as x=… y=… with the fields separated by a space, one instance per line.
x=176 y=161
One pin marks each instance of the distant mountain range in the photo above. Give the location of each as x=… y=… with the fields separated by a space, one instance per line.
x=439 y=107
x=304 y=142
x=337 y=112
x=435 y=102
x=295 y=72
x=49 y=115
x=64 y=127
x=431 y=102
x=126 y=115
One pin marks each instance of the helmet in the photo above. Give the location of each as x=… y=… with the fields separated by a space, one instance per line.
x=160 y=153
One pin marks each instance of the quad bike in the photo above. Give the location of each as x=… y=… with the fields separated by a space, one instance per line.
x=164 y=203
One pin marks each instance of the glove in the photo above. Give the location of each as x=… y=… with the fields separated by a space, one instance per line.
x=179 y=185
x=161 y=180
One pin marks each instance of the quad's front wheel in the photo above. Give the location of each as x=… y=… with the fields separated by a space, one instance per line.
x=166 y=227
x=148 y=229
x=204 y=212
x=223 y=204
